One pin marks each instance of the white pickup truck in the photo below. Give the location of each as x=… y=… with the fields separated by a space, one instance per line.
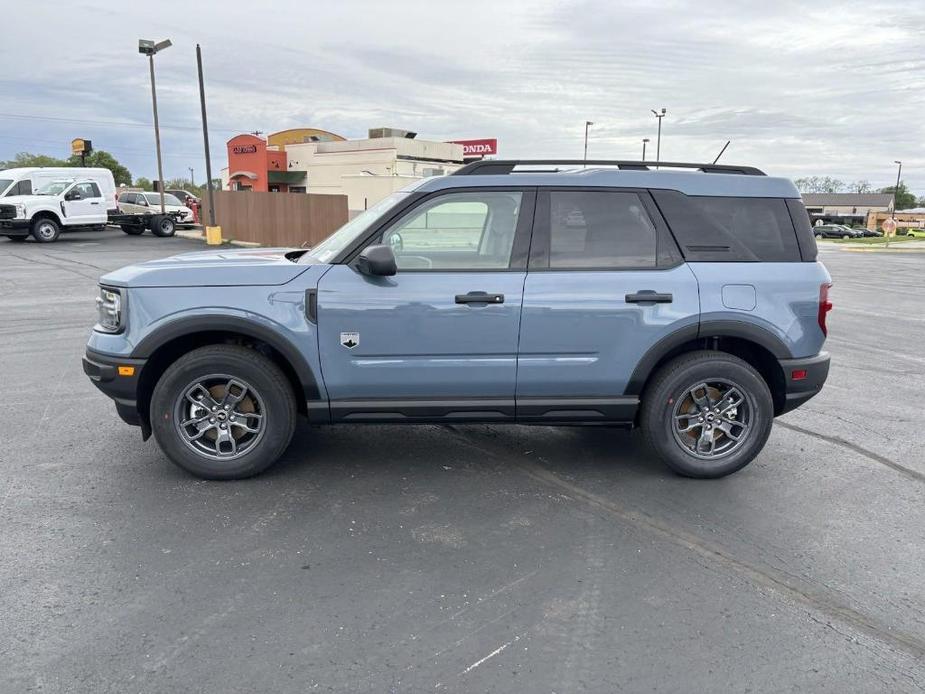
x=70 y=205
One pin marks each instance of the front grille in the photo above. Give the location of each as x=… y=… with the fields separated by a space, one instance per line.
x=7 y=212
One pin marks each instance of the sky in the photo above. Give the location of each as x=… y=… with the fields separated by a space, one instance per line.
x=801 y=89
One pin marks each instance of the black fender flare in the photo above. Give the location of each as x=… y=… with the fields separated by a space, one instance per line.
x=743 y=330
x=190 y=325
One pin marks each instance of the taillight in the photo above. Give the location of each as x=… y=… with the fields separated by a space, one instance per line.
x=824 y=306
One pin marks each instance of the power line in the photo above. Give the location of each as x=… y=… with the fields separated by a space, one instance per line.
x=23 y=116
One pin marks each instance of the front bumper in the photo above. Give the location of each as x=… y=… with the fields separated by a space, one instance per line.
x=803 y=378
x=15 y=225
x=105 y=373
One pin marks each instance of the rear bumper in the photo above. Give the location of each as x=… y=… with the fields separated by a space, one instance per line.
x=103 y=371
x=798 y=390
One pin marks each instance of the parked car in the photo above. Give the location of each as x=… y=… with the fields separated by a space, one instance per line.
x=59 y=205
x=150 y=203
x=675 y=303
x=863 y=231
x=836 y=231
x=915 y=233
x=183 y=196
x=27 y=180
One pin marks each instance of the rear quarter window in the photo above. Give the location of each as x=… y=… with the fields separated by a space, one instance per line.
x=736 y=229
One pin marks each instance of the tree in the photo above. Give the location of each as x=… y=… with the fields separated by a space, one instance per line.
x=819 y=184
x=861 y=186
x=103 y=159
x=904 y=198
x=98 y=158
x=143 y=183
x=26 y=159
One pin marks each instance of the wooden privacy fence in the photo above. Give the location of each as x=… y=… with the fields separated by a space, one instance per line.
x=278 y=219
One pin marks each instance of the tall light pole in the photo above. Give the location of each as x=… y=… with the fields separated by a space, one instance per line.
x=192 y=182
x=899 y=173
x=205 y=140
x=587 y=125
x=644 y=141
x=149 y=48
x=658 y=141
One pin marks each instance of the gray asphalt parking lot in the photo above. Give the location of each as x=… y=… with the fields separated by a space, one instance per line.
x=470 y=558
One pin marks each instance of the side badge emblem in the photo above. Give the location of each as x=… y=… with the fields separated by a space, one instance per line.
x=350 y=340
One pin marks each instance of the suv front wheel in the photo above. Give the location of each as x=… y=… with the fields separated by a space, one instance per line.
x=707 y=414
x=223 y=412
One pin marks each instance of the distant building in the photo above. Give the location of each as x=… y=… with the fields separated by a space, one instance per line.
x=308 y=160
x=845 y=208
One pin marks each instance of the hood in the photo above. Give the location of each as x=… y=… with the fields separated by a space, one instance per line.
x=237 y=267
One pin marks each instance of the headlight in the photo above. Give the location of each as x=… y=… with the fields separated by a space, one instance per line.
x=20 y=210
x=109 y=305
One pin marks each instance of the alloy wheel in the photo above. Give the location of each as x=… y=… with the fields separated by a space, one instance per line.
x=712 y=419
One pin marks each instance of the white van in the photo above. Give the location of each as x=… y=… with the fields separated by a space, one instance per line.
x=26 y=181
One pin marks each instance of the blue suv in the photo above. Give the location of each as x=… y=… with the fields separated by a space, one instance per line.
x=686 y=301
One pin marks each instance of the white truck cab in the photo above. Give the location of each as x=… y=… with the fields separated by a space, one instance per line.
x=59 y=205
x=27 y=180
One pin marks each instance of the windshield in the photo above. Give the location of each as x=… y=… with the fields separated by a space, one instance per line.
x=53 y=188
x=155 y=199
x=4 y=184
x=328 y=249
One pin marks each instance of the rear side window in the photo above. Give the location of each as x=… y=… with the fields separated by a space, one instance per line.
x=599 y=229
x=763 y=225
x=730 y=228
x=24 y=187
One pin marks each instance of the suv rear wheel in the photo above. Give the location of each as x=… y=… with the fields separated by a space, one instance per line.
x=707 y=414
x=223 y=412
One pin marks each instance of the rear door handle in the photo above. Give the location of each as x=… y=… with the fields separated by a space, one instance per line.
x=479 y=298
x=647 y=296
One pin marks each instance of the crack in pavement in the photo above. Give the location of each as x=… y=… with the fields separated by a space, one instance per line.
x=876 y=457
x=804 y=595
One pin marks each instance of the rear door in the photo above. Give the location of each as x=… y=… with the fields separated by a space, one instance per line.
x=438 y=340
x=605 y=283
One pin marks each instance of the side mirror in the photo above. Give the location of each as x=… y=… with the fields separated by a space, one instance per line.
x=378 y=261
x=72 y=195
x=143 y=202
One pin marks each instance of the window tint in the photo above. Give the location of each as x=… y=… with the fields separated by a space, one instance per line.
x=762 y=225
x=457 y=231
x=599 y=229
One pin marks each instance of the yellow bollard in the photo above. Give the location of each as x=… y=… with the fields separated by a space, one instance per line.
x=214 y=236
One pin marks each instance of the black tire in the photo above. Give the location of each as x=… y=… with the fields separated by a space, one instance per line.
x=18 y=239
x=132 y=229
x=270 y=388
x=673 y=381
x=846 y=236
x=163 y=226
x=45 y=230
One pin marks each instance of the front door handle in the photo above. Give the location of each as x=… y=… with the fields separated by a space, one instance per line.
x=647 y=296
x=479 y=298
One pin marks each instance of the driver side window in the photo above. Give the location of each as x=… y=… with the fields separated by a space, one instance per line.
x=457 y=231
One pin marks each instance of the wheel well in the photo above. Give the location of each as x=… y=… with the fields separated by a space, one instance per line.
x=170 y=351
x=47 y=214
x=757 y=356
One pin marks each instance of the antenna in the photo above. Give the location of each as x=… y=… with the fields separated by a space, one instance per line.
x=721 y=151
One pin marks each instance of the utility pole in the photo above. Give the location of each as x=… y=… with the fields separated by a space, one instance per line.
x=150 y=48
x=587 y=125
x=192 y=182
x=658 y=141
x=205 y=139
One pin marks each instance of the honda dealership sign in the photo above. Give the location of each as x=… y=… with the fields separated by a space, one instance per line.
x=478 y=148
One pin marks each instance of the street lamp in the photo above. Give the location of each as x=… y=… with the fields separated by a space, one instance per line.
x=587 y=125
x=192 y=182
x=658 y=142
x=899 y=173
x=149 y=48
x=644 y=141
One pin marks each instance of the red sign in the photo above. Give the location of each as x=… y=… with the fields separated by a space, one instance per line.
x=478 y=148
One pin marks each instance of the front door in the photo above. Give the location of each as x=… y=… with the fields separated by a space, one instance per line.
x=605 y=283
x=83 y=204
x=438 y=340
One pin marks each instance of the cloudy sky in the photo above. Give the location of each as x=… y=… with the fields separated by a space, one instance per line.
x=820 y=88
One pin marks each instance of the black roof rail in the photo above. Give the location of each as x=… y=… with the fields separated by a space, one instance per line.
x=506 y=166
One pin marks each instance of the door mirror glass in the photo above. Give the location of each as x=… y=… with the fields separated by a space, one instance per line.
x=377 y=261
x=72 y=195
